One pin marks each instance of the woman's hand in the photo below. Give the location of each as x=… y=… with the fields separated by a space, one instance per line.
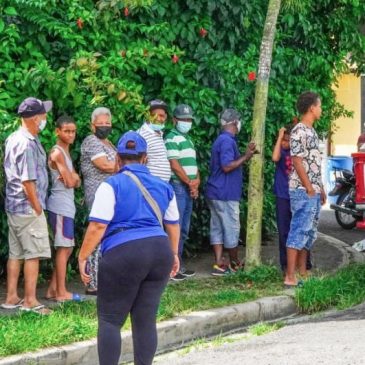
x=175 y=266
x=82 y=268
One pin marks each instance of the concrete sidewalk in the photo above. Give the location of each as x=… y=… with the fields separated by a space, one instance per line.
x=329 y=254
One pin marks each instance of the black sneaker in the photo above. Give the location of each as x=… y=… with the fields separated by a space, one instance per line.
x=179 y=277
x=187 y=273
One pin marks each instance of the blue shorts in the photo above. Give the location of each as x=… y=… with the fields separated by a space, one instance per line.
x=224 y=222
x=305 y=215
x=63 y=229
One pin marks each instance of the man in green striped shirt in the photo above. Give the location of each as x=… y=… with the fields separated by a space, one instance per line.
x=185 y=175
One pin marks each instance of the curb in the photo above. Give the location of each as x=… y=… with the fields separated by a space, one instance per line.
x=349 y=254
x=173 y=333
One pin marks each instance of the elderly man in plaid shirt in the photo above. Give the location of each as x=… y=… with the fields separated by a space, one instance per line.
x=26 y=189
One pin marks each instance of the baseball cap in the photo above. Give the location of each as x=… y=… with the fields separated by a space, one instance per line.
x=157 y=104
x=229 y=115
x=30 y=107
x=183 y=111
x=131 y=136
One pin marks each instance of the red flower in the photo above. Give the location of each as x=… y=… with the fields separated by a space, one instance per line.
x=126 y=12
x=175 y=58
x=252 y=76
x=145 y=52
x=80 y=23
x=203 y=32
x=123 y=53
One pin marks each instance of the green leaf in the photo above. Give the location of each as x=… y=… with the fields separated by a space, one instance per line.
x=10 y=11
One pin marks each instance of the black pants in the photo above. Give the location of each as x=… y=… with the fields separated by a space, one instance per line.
x=283 y=218
x=131 y=278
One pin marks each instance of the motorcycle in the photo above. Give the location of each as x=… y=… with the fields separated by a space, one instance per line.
x=346 y=212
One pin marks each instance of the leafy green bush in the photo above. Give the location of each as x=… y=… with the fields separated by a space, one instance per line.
x=83 y=54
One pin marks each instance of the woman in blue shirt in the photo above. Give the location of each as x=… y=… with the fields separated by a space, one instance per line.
x=137 y=255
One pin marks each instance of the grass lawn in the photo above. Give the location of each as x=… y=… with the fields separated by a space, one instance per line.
x=73 y=322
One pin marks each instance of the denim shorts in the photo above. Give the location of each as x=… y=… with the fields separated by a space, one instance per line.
x=305 y=214
x=224 y=222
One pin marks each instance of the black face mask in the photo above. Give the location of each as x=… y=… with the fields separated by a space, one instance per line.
x=102 y=132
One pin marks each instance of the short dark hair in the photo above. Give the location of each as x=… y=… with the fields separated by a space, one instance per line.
x=306 y=100
x=64 y=119
x=288 y=128
x=131 y=145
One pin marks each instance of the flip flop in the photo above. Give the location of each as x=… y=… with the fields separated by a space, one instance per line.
x=39 y=309
x=12 y=306
x=50 y=298
x=75 y=298
x=299 y=284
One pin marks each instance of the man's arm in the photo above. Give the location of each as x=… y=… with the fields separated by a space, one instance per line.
x=69 y=178
x=179 y=171
x=299 y=168
x=241 y=160
x=31 y=194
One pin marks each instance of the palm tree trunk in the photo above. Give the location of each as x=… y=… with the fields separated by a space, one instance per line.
x=256 y=179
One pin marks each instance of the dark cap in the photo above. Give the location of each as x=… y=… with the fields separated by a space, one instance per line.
x=157 y=104
x=229 y=116
x=183 y=111
x=140 y=144
x=32 y=106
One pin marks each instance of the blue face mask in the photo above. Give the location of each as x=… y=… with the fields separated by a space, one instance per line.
x=157 y=127
x=183 y=127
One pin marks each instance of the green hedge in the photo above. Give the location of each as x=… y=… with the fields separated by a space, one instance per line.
x=83 y=54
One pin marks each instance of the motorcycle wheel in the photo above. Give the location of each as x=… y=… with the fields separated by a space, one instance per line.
x=346 y=221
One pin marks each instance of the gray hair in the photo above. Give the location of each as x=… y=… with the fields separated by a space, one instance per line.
x=100 y=111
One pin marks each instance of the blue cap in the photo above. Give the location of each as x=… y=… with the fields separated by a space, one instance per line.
x=32 y=106
x=140 y=144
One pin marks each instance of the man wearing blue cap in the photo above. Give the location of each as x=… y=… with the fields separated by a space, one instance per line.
x=130 y=214
x=26 y=188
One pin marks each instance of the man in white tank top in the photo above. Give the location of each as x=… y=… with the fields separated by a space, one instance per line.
x=61 y=207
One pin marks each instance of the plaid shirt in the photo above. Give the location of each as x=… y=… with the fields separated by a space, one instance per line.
x=25 y=160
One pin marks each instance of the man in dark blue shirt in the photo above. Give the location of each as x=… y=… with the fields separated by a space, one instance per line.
x=224 y=191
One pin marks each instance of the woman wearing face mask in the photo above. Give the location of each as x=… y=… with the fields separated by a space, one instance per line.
x=98 y=161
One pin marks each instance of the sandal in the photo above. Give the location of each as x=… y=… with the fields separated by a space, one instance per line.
x=12 y=306
x=39 y=309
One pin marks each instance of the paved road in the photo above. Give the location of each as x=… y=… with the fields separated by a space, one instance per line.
x=328 y=225
x=335 y=339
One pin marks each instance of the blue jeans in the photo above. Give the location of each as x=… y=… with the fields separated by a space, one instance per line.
x=305 y=215
x=185 y=207
x=224 y=222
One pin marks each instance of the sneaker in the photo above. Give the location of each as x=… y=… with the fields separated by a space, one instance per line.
x=220 y=270
x=187 y=273
x=179 y=277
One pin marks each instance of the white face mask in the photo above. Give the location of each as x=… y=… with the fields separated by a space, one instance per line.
x=183 y=127
x=42 y=124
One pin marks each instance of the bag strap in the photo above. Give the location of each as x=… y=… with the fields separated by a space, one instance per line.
x=152 y=202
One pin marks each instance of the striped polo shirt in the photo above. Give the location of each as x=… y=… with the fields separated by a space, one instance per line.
x=180 y=147
x=157 y=161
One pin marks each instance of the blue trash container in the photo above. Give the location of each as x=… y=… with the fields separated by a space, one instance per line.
x=336 y=163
